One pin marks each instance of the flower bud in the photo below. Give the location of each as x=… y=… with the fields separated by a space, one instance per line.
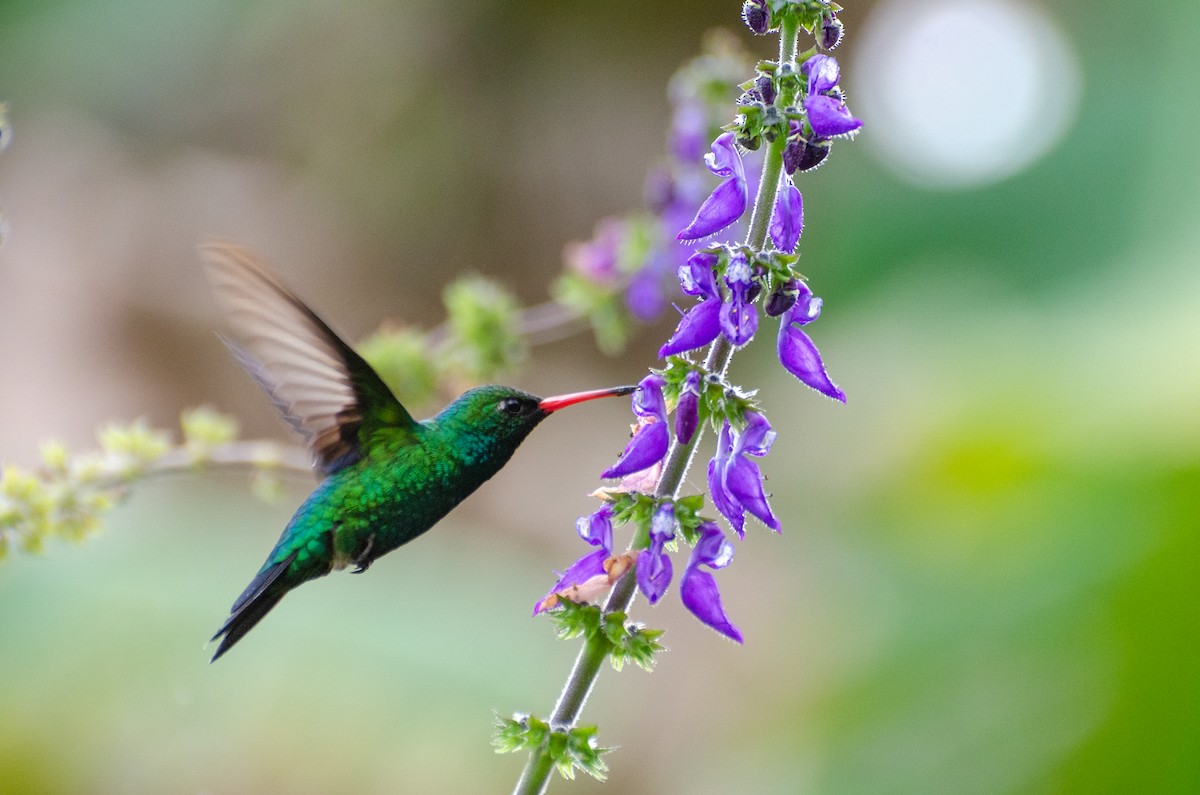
x=831 y=32
x=802 y=154
x=783 y=297
x=757 y=16
x=766 y=89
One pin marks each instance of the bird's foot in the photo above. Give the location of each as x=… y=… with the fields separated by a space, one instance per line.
x=363 y=559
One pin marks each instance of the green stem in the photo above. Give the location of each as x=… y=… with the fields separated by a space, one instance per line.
x=536 y=776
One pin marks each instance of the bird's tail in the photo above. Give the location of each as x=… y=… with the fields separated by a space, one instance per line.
x=263 y=593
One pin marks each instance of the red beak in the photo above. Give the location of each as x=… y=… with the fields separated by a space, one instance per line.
x=557 y=402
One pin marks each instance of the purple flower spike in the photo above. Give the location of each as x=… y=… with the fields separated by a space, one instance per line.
x=589 y=566
x=698 y=588
x=597 y=529
x=650 y=441
x=787 y=220
x=727 y=203
x=739 y=317
x=827 y=113
x=725 y=502
x=653 y=565
x=687 y=410
x=797 y=352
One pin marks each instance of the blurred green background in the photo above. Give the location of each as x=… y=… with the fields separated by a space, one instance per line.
x=987 y=580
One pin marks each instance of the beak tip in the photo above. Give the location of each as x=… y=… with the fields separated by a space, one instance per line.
x=552 y=404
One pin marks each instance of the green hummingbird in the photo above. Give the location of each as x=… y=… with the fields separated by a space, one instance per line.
x=386 y=478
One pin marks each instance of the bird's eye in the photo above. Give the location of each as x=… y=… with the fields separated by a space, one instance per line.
x=513 y=406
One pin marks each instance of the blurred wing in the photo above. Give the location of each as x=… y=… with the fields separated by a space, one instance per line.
x=321 y=386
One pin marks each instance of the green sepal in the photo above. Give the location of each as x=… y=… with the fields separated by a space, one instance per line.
x=568 y=749
x=631 y=642
x=573 y=619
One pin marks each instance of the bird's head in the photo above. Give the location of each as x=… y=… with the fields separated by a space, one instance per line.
x=507 y=415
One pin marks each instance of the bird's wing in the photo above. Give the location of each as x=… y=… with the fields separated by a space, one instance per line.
x=321 y=386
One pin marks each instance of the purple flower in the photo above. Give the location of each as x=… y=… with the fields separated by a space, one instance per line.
x=576 y=578
x=597 y=258
x=687 y=410
x=797 y=352
x=654 y=565
x=689 y=131
x=739 y=317
x=650 y=441
x=597 y=529
x=728 y=201
x=827 y=113
x=734 y=481
x=698 y=588
x=701 y=324
x=787 y=218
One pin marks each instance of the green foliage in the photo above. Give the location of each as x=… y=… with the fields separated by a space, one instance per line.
x=204 y=430
x=484 y=322
x=568 y=749
x=602 y=305
x=68 y=495
x=405 y=360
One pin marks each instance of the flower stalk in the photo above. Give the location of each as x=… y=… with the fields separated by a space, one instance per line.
x=535 y=777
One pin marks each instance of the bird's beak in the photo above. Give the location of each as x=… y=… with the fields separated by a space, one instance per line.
x=557 y=402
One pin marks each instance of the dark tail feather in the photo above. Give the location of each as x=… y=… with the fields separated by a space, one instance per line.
x=263 y=593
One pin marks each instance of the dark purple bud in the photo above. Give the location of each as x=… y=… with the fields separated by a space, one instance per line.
x=783 y=297
x=831 y=32
x=810 y=153
x=757 y=16
x=750 y=143
x=687 y=410
x=765 y=87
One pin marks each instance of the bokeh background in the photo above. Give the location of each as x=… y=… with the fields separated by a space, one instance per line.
x=987 y=581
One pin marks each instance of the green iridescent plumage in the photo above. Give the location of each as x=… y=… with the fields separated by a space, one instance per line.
x=387 y=478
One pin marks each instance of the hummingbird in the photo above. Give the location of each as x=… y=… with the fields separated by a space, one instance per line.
x=385 y=477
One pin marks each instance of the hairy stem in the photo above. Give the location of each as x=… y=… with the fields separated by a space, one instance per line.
x=536 y=776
